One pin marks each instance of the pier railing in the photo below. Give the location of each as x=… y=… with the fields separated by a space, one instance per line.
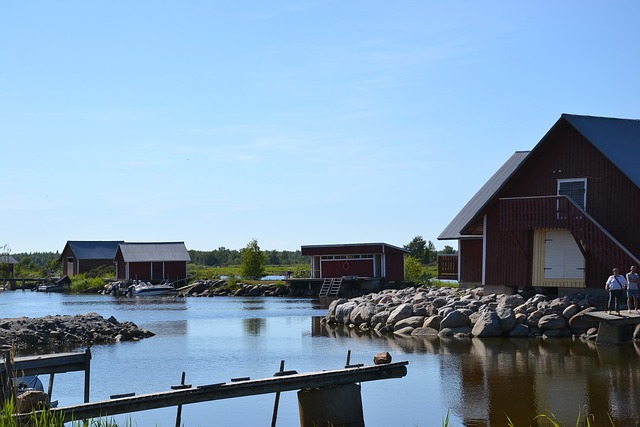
x=560 y=212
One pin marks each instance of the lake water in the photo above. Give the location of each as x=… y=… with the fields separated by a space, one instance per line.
x=478 y=382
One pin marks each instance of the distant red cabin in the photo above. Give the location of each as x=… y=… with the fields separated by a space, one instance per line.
x=364 y=260
x=83 y=256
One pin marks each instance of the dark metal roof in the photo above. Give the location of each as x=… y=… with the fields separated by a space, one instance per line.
x=154 y=252
x=617 y=139
x=482 y=197
x=94 y=249
x=7 y=259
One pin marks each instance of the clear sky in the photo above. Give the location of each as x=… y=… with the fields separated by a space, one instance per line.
x=291 y=122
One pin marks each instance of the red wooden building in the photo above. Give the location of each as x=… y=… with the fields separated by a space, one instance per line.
x=364 y=260
x=558 y=217
x=152 y=262
x=82 y=256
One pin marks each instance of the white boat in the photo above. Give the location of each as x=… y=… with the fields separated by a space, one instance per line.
x=145 y=288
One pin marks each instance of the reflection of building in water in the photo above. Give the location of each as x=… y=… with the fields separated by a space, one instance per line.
x=489 y=381
x=254 y=326
x=492 y=379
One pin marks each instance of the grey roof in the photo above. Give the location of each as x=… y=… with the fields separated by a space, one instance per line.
x=480 y=199
x=617 y=139
x=94 y=249
x=154 y=252
x=7 y=259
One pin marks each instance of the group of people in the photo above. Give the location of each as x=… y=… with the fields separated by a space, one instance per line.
x=617 y=284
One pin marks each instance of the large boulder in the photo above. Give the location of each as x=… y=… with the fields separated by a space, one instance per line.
x=400 y=312
x=343 y=312
x=507 y=317
x=362 y=313
x=455 y=319
x=413 y=322
x=552 y=321
x=487 y=325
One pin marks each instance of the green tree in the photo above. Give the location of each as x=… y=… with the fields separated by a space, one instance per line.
x=415 y=271
x=253 y=261
x=448 y=250
x=418 y=249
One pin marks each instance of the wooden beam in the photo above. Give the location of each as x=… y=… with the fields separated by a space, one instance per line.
x=228 y=390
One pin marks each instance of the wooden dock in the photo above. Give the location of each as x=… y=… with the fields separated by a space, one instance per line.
x=614 y=328
x=181 y=395
x=50 y=364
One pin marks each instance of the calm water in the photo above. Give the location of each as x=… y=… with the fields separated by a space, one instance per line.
x=216 y=339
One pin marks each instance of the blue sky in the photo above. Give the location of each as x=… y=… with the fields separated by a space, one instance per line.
x=291 y=122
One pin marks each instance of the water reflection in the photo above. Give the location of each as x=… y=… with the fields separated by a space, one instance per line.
x=254 y=326
x=486 y=380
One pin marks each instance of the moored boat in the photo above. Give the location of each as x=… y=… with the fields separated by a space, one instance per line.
x=145 y=288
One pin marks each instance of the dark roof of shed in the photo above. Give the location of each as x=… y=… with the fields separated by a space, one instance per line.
x=482 y=197
x=7 y=259
x=154 y=252
x=94 y=249
x=617 y=139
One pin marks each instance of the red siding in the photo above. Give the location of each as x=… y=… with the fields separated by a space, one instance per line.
x=471 y=268
x=395 y=266
x=140 y=271
x=347 y=267
x=175 y=270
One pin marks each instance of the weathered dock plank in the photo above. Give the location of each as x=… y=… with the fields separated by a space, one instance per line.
x=228 y=390
x=614 y=328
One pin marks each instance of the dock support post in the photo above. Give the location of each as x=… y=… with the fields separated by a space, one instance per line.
x=179 y=411
x=337 y=406
x=277 y=400
x=87 y=373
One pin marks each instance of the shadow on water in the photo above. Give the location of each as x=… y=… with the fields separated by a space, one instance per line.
x=491 y=378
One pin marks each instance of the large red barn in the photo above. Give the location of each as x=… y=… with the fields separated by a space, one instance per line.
x=558 y=217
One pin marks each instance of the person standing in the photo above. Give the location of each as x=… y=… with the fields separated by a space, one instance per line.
x=616 y=283
x=632 y=288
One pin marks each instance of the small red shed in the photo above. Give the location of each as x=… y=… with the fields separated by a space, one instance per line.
x=152 y=262
x=363 y=260
x=82 y=256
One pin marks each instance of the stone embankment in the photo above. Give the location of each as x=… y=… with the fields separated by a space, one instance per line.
x=212 y=288
x=62 y=332
x=452 y=312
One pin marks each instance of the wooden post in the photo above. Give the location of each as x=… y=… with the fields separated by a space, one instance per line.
x=50 y=390
x=348 y=358
x=179 y=412
x=277 y=401
x=87 y=373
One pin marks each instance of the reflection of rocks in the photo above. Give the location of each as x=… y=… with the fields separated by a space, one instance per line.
x=452 y=312
x=67 y=331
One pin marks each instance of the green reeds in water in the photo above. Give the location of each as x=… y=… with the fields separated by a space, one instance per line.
x=550 y=418
x=51 y=419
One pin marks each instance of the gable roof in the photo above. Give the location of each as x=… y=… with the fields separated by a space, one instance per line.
x=482 y=197
x=7 y=259
x=154 y=252
x=617 y=139
x=94 y=249
x=350 y=248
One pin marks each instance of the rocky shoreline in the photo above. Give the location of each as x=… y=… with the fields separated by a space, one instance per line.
x=465 y=313
x=66 y=332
